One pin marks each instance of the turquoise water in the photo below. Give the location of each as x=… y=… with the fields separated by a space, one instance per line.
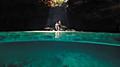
x=89 y=37
x=66 y=49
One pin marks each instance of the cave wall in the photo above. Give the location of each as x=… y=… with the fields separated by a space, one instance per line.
x=23 y=15
x=95 y=15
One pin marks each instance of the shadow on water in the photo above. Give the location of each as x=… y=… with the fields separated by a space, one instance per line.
x=58 y=54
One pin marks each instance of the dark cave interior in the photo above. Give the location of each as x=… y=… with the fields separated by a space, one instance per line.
x=83 y=15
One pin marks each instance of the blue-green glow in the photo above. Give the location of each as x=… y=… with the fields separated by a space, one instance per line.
x=59 y=49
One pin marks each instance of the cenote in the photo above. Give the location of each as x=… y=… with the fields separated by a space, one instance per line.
x=68 y=49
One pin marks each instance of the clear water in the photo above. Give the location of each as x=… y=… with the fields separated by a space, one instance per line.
x=58 y=52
